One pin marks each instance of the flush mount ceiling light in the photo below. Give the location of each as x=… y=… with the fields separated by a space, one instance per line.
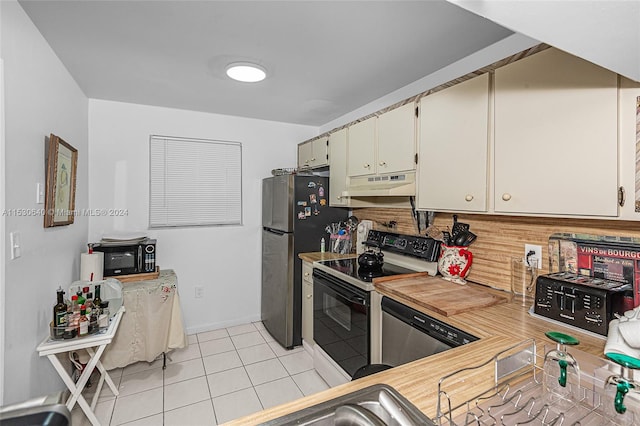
x=246 y=72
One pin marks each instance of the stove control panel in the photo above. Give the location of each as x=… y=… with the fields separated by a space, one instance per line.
x=584 y=302
x=421 y=247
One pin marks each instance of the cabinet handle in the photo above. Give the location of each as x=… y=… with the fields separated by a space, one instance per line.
x=339 y=197
x=306 y=274
x=313 y=159
x=469 y=197
x=506 y=196
x=382 y=163
x=366 y=166
x=309 y=296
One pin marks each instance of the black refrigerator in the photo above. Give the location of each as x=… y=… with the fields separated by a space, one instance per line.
x=295 y=214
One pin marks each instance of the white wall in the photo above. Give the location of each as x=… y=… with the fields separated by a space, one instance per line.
x=605 y=32
x=40 y=98
x=2 y=227
x=226 y=261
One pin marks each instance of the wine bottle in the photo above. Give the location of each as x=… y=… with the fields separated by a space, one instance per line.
x=97 y=300
x=59 y=315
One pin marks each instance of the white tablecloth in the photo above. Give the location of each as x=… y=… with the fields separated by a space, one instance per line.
x=152 y=323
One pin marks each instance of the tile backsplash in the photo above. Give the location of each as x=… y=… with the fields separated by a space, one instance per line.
x=501 y=238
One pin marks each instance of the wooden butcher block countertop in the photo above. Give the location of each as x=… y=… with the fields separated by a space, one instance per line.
x=498 y=326
x=439 y=295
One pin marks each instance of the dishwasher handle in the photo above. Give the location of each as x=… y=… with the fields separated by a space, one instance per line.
x=398 y=310
x=426 y=324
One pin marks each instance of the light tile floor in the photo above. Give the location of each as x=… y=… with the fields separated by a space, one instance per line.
x=222 y=375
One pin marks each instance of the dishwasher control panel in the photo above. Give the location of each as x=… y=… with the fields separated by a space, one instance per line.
x=437 y=329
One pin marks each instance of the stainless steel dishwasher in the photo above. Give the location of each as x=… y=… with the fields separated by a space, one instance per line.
x=408 y=335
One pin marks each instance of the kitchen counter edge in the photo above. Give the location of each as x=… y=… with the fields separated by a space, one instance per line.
x=498 y=327
x=320 y=256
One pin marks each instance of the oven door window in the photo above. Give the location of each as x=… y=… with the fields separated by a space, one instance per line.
x=337 y=310
x=341 y=325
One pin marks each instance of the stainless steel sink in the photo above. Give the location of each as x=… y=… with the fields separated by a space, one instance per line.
x=371 y=406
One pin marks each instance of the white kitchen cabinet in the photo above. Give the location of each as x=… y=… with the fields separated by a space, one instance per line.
x=397 y=140
x=361 y=152
x=555 y=137
x=384 y=144
x=628 y=156
x=313 y=153
x=453 y=148
x=338 y=168
x=307 y=302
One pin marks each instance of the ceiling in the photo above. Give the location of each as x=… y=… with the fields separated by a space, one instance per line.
x=323 y=58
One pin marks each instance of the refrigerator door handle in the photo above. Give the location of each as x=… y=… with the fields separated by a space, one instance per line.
x=275 y=231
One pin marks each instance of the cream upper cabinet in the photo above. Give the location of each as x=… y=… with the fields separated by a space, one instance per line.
x=397 y=140
x=453 y=147
x=338 y=168
x=629 y=116
x=361 y=157
x=384 y=144
x=305 y=154
x=555 y=137
x=313 y=153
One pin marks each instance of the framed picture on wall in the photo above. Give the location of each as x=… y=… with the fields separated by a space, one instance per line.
x=60 y=200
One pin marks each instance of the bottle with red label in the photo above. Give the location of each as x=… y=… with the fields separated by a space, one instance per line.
x=83 y=322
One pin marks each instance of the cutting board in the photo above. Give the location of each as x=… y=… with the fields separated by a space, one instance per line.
x=437 y=294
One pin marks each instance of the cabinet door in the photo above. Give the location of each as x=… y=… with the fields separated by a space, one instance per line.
x=628 y=157
x=320 y=152
x=305 y=153
x=307 y=302
x=555 y=136
x=397 y=140
x=338 y=168
x=453 y=146
x=361 y=158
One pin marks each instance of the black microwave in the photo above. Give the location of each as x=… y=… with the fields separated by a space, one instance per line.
x=125 y=259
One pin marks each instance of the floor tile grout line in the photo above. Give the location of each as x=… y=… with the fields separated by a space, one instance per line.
x=213 y=407
x=253 y=387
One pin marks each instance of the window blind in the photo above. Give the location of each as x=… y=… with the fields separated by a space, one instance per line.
x=194 y=182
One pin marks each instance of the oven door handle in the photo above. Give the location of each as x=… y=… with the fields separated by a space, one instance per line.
x=357 y=299
x=346 y=290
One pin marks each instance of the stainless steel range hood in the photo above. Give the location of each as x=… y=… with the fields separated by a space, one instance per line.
x=391 y=185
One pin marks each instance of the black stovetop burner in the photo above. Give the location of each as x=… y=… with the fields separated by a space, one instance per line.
x=353 y=269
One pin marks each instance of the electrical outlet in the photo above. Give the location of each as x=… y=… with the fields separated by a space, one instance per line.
x=199 y=292
x=537 y=256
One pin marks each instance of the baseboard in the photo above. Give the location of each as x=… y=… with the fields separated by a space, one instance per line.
x=223 y=324
x=328 y=369
x=308 y=347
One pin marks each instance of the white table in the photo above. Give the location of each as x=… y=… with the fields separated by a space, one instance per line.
x=94 y=345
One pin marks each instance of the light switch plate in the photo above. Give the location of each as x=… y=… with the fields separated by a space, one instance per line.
x=39 y=193
x=16 y=250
